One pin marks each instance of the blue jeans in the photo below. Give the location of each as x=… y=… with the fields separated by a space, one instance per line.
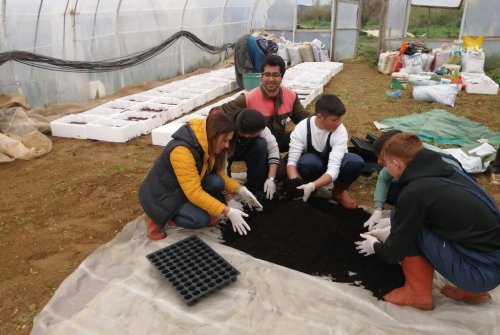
x=193 y=217
x=254 y=154
x=468 y=269
x=310 y=167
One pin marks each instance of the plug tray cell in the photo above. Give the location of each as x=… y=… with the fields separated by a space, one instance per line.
x=193 y=268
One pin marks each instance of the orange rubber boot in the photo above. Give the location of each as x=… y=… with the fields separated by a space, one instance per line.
x=465 y=296
x=339 y=193
x=154 y=231
x=417 y=290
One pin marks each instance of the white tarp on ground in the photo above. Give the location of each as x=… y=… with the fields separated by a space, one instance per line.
x=117 y=291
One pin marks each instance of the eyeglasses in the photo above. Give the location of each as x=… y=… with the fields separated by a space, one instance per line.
x=274 y=75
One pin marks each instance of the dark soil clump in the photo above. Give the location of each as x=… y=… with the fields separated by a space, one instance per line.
x=316 y=238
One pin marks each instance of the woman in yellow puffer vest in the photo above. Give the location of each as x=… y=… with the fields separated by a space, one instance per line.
x=188 y=185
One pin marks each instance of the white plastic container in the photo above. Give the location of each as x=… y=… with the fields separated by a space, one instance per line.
x=479 y=83
x=72 y=126
x=112 y=130
x=146 y=121
x=163 y=135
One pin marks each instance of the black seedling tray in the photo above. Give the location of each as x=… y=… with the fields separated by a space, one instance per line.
x=193 y=268
x=363 y=147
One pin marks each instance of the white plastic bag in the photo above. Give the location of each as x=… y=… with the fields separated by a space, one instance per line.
x=444 y=94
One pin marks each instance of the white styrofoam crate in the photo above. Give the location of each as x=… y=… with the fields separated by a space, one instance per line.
x=112 y=130
x=163 y=135
x=72 y=126
x=137 y=98
x=191 y=94
x=186 y=100
x=213 y=92
x=166 y=100
x=102 y=111
x=168 y=88
x=166 y=112
x=146 y=121
x=118 y=105
x=479 y=83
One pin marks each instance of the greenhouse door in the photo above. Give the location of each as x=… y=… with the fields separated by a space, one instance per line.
x=345 y=29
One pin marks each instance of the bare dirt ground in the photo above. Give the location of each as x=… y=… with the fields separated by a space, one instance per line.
x=56 y=210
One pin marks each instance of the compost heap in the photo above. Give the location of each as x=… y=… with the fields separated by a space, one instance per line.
x=317 y=238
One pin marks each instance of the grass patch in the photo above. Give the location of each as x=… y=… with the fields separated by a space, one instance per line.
x=493 y=73
x=367 y=54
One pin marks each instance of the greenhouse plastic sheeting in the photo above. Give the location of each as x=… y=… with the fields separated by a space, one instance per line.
x=480 y=18
x=117 y=291
x=92 y=30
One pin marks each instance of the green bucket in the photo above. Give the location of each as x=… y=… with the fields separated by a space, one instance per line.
x=251 y=80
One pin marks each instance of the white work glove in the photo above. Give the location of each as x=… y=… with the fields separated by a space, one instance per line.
x=381 y=234
x=235 y=204
x=239 y=224
x=376 y=216
x=250 y=199
x=308 y=189
x=365 y=247
x=269 y=188
x=382 y=223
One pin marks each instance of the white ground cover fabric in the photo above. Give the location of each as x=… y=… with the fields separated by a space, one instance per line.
x=117 y=291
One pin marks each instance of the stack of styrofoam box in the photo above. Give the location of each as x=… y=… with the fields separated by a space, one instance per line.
x=127 y=117
x=307 y=79
x=163 y=134
x=479 y=83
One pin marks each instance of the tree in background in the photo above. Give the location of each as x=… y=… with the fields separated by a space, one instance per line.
x=370 y=11
x=317 y=16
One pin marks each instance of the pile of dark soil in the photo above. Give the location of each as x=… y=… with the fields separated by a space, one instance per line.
x=317 y=238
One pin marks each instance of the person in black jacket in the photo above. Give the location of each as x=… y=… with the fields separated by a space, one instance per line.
x=442 y=220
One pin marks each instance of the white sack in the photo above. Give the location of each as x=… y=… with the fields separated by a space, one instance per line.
x=412 y=64
x=444 y=94
x=282 y=52
x=440 y=56
x=473 y=62
x=386 y=61
x=427 y=60
x=294 y=55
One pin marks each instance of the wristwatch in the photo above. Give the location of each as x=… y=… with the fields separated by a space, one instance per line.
x=272 y=178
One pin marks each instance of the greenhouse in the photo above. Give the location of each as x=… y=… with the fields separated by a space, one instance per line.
x=249 y=166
